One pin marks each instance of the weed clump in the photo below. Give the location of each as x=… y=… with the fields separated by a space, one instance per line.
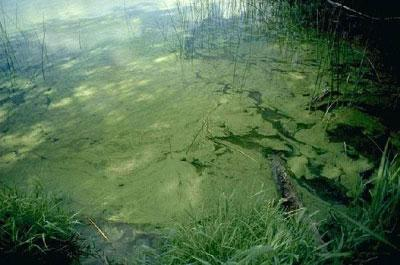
x=34 y=229
x=261 y=234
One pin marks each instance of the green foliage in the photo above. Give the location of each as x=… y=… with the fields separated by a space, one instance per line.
x=259 y=234
x=34 y=229
x=370 y=231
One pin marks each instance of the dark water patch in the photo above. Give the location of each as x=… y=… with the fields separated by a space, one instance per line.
x=54 y=139
x=368 y=185
x=51 y=138
x=279 y=70
x=356 y=137
x=48 y=101
x=188 y=47
x=381 y=105
x=245 y=141
x=269 y=114
x=386 y=108
x=278 y=61
x=304 y=126
x=252 y=134
x=315 y=168
x=199 y=166
x=16 y=99
x=319 y=150
x=249 y=141
x=256 y=96
x=328 y=100
x=327 y=189
x=268 y=151
x=198 y=75
x=42 y=157
x=367 y=174
x=4 y=100
x=226 y=88
x=220 y=149
x=352 y=152
x=277 y=125
x=310 y=62
x=5 y=129
x=81 y=143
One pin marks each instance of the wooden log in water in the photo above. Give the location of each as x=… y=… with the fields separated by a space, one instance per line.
x=291 y=201
x=286 y=189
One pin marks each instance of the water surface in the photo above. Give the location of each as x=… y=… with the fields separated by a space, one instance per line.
x=137 y=111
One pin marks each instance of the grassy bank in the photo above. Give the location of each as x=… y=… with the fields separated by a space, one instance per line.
x=262 y=234
x=34 y=229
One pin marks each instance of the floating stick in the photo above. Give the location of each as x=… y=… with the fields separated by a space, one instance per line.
x=98 y=229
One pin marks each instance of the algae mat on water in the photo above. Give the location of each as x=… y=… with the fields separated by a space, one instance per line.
x=113 y=117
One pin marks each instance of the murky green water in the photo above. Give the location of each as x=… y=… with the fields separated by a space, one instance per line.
x=137 y=113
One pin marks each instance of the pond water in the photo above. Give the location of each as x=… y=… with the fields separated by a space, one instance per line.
x=137 y=111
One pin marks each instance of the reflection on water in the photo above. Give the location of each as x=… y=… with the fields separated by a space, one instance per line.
x=138 y=110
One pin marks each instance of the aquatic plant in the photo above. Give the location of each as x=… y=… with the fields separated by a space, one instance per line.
x=7 y=53
x=34 y=229
x=355 y=52
x=44 y=49
x=220 y=29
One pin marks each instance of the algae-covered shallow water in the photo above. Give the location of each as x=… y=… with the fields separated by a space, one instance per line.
x=138 y=111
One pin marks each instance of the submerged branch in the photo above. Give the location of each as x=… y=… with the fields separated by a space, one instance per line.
x=337 y=4
x=98 y=229
x=43 y=48
x=282 y=176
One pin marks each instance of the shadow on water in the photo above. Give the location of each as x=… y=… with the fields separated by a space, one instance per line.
x=356 y=137
x=327 y=189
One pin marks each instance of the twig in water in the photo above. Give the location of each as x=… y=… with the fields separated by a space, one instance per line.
x=236 y=149
x=360 y=13
x=375 y=143
x=79 y=36
x=8 y=51
x=43 y=48
x=98 y=229
x=204 y=125
x=195 y=137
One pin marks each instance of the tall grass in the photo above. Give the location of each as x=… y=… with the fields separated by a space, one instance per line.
x=371 y=230
x=34 y=229
x=221 y=28
x=7 y=53
x=260 y=234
